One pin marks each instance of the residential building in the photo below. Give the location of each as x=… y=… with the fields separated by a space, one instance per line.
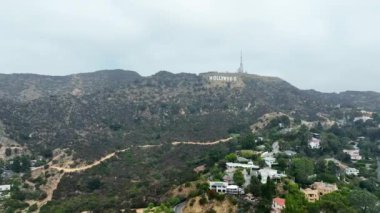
x=249 y=165
x=352 y=171
x=311 y=195
x=271 y=173
x=362 y=118
x=5 y=191
x=224 y=187
x=314 y=143
x=318 y=189
x=290 y=153
x=218 y=186
x=324 y=188
x=354 y=154
x=234 y=190
x=278 y=204
x=269 y=161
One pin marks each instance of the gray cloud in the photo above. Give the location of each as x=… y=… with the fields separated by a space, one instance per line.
x=320 y=44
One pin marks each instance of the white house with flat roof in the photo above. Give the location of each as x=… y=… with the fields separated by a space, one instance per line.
x=314 y=143
x=354 y=154
x=218 y=186
x=5 y=191
x=224 y=187
x=271 y=173
x=249 y=165
x=352 y=171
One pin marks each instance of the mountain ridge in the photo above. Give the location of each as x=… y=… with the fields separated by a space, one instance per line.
x=100 y=112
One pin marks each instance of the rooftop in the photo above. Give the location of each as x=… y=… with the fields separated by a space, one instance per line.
x=279 y=201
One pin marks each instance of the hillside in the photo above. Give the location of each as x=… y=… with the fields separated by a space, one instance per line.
x=96 y=113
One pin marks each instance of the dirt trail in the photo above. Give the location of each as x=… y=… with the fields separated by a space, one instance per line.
x=53 y=182
x=208 y=143
x=82 y=168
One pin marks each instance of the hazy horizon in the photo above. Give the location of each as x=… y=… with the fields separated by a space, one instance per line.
x=322 y=45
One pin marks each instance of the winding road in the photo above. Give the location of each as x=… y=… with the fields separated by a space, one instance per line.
x=179 y=207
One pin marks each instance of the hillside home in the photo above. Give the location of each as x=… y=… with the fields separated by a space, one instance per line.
x=234 y=190
x=318 y=189
x=218 y=186
x=269 y=161
x=249 y=165
x=354 y=154
x=314 y=143
x=324 y=188
x=362 y=118
x=316 y=135
x=224 y=187
x=311 y=195
x=278 y=204
x=5 y=191
x=289 y=153
x=352 y=171
x=271 y=173
x=229 y=174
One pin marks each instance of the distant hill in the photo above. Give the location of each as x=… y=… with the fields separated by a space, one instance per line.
x=95 y=113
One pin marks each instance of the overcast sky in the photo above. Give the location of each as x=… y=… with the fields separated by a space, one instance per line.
x=327 y=45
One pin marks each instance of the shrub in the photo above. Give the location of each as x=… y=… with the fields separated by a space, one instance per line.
x=203 y=200
x=33 y=208
x=211 y=211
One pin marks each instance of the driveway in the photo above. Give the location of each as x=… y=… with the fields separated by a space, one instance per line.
x=179 y=208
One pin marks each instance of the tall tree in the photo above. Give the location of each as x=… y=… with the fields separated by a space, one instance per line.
x=302 y=168
x=364 y=201
x=255 y=186
x=239 y=178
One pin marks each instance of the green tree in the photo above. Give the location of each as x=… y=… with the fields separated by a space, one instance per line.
x=364 y=201
x=302 y=168
x=255 y=186
x=295 y=199
x=238 y=178
x=247 y=142
x=231 y=157
x=268 y=189
x=335 y=202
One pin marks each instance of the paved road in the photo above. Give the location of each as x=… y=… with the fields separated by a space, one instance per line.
x=179 y=208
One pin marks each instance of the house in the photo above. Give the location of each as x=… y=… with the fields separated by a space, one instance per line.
x=324 y=188
x=314 y=143
x=290 y=153
x=316 y=135
x=224 y=187
x=5 y=191
x=352 y=171
x=271 y=173
x=360 y=138
x=269 y=161
x=362 y=118
x=311 y=195
x=278 y=204
x=249 y=165
x=318 y=189
x=218 y=186
x=354 y=154
x=234 y=190
x=229 y=174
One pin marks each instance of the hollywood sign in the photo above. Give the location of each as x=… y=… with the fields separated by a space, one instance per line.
x=222 y=78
